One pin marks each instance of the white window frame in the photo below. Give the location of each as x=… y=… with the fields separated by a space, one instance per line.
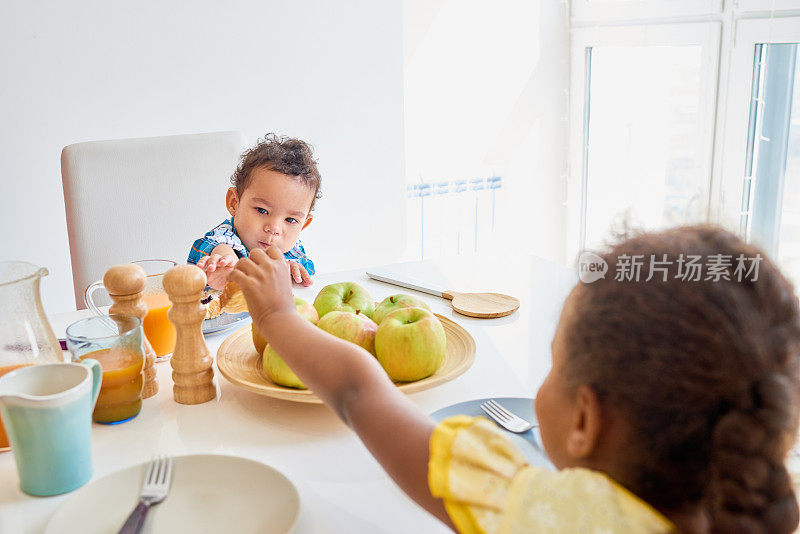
x=704 y=34
x=767 y=5
x=587 y=10
x=732 y=143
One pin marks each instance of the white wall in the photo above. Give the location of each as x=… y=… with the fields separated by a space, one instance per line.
x=327 y=72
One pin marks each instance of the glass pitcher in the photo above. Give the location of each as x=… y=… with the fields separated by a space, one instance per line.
x=26 y=337
x=157 y=327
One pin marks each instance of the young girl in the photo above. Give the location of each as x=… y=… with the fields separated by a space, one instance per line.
x=670 y=406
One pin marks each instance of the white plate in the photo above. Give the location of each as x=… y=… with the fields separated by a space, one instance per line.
x=210 y=493
x=529 y=443
x=226 y=321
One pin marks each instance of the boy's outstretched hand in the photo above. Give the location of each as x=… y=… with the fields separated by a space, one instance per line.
x=299 y=274
x=217 y=268
x=264 y=279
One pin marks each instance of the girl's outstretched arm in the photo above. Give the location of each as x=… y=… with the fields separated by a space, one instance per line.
x=345 y=376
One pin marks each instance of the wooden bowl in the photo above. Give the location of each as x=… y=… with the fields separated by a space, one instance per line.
x=239 y=362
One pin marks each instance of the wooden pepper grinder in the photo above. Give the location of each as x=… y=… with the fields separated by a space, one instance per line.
x=125 y=285
x=192 y=370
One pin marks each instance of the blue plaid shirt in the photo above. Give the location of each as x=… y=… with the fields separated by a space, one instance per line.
x=225 y=234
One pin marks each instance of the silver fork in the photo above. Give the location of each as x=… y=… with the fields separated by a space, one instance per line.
x=506 y=419
x=155 y=486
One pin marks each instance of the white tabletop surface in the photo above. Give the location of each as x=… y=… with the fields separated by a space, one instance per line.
x=342 y=488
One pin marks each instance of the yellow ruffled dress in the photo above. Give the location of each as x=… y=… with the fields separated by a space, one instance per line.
x=488 y=487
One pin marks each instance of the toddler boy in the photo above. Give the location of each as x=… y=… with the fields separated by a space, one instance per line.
x=273 y=192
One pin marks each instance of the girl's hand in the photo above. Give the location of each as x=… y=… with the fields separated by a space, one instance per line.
x=265 y=284
x=300 y=274
x=217 y=268
x=345 y=376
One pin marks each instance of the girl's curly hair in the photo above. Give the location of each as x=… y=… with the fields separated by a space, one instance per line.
x=706 y=373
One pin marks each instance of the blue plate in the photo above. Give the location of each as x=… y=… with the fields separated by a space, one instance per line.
x=529 y=443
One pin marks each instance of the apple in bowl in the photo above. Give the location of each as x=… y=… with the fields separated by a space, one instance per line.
x=306 y=310
x=354 y=327
x=344 y=296
x=396 y=302
x=410 y=344
x=303 y=308
x=278 y=371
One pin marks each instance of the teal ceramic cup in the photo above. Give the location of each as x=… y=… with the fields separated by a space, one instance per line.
x=47 y=412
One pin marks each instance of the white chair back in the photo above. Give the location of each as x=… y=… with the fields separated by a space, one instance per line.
x=147 y=198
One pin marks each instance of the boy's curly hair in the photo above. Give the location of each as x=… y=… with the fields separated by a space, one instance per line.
x=282 y=154
x=707 y=374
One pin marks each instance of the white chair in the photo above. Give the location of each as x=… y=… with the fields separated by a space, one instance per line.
x=147 y=198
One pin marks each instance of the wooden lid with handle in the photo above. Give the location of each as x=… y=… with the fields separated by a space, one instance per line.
x=480 y=305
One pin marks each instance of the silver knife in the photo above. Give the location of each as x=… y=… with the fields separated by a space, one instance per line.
x=410 y=283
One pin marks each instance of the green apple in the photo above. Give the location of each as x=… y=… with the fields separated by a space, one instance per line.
x=354 y=327
x=410 y=344
x=306 y=310
x=395 y=302
x=303 y=308
x=259 y=342
x=344 y=296
x=277 y=370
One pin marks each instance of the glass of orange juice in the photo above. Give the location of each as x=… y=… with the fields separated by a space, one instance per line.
x=157 y=327
x=116 y=342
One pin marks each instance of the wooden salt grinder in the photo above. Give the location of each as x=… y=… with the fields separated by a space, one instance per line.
x=125 y=285
x=192 y=370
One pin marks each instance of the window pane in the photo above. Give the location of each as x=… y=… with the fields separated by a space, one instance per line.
x=789 y=241
x=772 y=186
x=485 y=95
x=644 y=157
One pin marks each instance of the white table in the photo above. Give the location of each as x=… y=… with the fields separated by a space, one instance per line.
x=342 y=488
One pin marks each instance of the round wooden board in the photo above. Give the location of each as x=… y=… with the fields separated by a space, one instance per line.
x=239 y=362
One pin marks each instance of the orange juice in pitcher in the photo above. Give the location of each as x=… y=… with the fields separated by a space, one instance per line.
x=157 y=328
x=159 y=331
x=26 y=337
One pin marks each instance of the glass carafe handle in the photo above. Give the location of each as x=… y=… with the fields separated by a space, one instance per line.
x=87 y=296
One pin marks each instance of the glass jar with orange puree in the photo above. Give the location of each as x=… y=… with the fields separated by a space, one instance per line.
x=116 y=342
